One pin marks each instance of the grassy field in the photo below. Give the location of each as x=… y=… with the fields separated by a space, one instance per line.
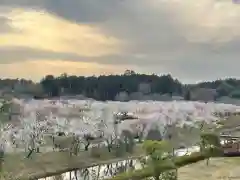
x=218 y=169
x=230 y=122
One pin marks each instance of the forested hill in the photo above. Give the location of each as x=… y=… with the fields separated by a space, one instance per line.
x=112 y=87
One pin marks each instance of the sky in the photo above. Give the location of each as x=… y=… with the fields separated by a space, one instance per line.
x=191 y=40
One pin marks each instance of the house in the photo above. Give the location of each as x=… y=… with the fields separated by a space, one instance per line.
x=231 y=145
x=144 y=88
x=203 y=94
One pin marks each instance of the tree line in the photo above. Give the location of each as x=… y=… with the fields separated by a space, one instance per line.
x=110 y=86
x=107 y=87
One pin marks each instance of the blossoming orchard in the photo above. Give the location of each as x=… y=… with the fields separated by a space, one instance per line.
x=40 y=121
x=74 y=132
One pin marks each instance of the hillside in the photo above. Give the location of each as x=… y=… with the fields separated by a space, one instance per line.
x=124 y=87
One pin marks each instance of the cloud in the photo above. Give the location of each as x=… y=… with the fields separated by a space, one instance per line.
x=31 y=63
x=206 y=20
x=192 y=40
x=15 y=54
x=36 y=69
x=4 y=27
x=41 y=30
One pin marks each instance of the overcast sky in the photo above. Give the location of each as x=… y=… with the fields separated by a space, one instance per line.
x=192 y=40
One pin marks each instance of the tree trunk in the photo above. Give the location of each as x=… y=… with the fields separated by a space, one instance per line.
x=109 y=147
x=30 y=153
x=86 y=146
x=207 y=162
x=75 y=173
x=76 y=149
x=53 y=140
x=1 y=164
x=38 y=150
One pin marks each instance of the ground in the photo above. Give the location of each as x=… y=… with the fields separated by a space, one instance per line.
x=218 y=169
x=51 y=163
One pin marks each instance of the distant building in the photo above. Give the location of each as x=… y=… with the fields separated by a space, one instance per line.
x=233 y=147
x=203 y=94
x=136 y=96
x=122 y=96
x=228 y=100
x=144 y=88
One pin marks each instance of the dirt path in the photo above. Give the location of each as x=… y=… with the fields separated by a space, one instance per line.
x=218 y=169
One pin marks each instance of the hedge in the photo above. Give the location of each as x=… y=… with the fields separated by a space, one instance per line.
x=149 y=172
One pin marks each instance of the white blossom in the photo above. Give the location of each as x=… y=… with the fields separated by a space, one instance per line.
x=95 y=118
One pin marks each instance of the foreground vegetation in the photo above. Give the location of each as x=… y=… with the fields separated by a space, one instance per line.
x=52 y=163
x=80 y=152
x=163 y=164
x=17 y=166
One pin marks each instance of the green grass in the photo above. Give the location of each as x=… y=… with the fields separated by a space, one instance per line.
x=232 y=125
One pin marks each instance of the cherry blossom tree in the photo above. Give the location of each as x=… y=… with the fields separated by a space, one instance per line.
x=5 y=143
x=108 y=127
x=30 y=132
x=84 y=121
